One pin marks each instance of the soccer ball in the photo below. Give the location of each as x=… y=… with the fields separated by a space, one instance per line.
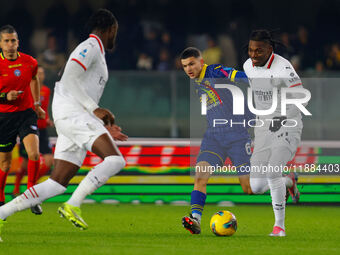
x=223 y=223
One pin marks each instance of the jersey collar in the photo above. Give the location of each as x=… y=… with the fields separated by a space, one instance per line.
x=3 y=57
x=99 y=42
x=202 y=74
x=270 y=61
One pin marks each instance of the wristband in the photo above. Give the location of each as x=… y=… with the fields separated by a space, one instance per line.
x=3 y=97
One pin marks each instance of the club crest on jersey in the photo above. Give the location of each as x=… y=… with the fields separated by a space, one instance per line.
x=17 y=72
x=83 y=53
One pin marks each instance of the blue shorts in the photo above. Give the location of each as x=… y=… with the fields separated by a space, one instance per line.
x=216 y=147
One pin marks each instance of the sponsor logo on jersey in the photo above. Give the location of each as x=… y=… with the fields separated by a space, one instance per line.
x=83 y=53
x=13 y=66
x=17 y=72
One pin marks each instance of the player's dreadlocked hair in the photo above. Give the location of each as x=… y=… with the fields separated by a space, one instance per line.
x=101 y=20
x=264 y=35
x=190 y=52
x=8 y=29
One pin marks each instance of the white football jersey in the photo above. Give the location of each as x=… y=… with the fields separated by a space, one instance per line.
x=90 y=55
x=277 y=72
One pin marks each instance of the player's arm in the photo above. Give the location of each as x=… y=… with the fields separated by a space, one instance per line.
x=238 y=77
x=73 y=72
x=292 y=80
x=35 y=91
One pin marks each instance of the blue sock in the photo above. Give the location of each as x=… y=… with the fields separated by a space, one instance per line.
x=197 y=204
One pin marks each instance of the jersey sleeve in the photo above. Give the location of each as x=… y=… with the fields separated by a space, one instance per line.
x=290 y=78
x=84 y=55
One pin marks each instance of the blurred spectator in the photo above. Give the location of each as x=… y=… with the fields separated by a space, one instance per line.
x=79 y=21
x=56 y=21
x=164 y=61
x=287 y=51
x=228 y=51
x=319 y=67
x=212 y=55
x=304 y=49
x=333 y=57
x=151 y=45
x=168 y=44
x=144 y=62
x=51 y=59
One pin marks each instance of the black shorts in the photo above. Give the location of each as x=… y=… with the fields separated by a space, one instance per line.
x=13 y=124
x=44 y=144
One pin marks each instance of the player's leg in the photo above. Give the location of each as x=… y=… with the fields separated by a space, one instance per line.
x=198 y=197
x=28 y=133
x=258 y=178
x=240 y=152
x=211 y=155
x=5 y=165
x=72 y=157
x=31 y=143
x=278 y=159
x=112 y=163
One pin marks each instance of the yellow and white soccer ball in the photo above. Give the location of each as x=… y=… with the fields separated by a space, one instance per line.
x=223 y=223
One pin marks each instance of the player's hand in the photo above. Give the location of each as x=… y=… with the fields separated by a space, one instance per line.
x=115 y=132
x=105 y=115
x=13 y=95
x=40 y=112
x=277 y=122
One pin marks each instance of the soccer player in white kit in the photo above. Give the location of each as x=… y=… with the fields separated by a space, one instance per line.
x=275 y=144
x=81 y=125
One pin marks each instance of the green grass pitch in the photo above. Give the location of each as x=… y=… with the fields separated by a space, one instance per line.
x=153 y=229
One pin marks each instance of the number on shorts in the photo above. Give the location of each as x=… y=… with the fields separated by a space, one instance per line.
x=248 y=148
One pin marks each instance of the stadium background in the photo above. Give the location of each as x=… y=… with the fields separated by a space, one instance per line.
x=150 y=95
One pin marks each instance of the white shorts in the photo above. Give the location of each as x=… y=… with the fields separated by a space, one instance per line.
x=266 y=140
x=76 y=136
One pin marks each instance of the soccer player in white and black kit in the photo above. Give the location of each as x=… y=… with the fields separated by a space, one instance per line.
x=275 y=143
x=81 y=125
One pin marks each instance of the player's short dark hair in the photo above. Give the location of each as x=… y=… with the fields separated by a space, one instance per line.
x=264 y=35
x=8 y=29
x=191 y=52
x=101 y=20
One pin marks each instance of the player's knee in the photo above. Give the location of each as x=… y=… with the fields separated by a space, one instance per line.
x=116 y=162
x=5 y=165
x=256 y=186
x=246 y=189
x=201 y=182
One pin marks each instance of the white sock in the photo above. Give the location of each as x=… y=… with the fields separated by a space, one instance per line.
x=197 y=216
x=97 y=177
x=288 y=181
x=280 y=156
x=278 y=194
x=31 y=197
